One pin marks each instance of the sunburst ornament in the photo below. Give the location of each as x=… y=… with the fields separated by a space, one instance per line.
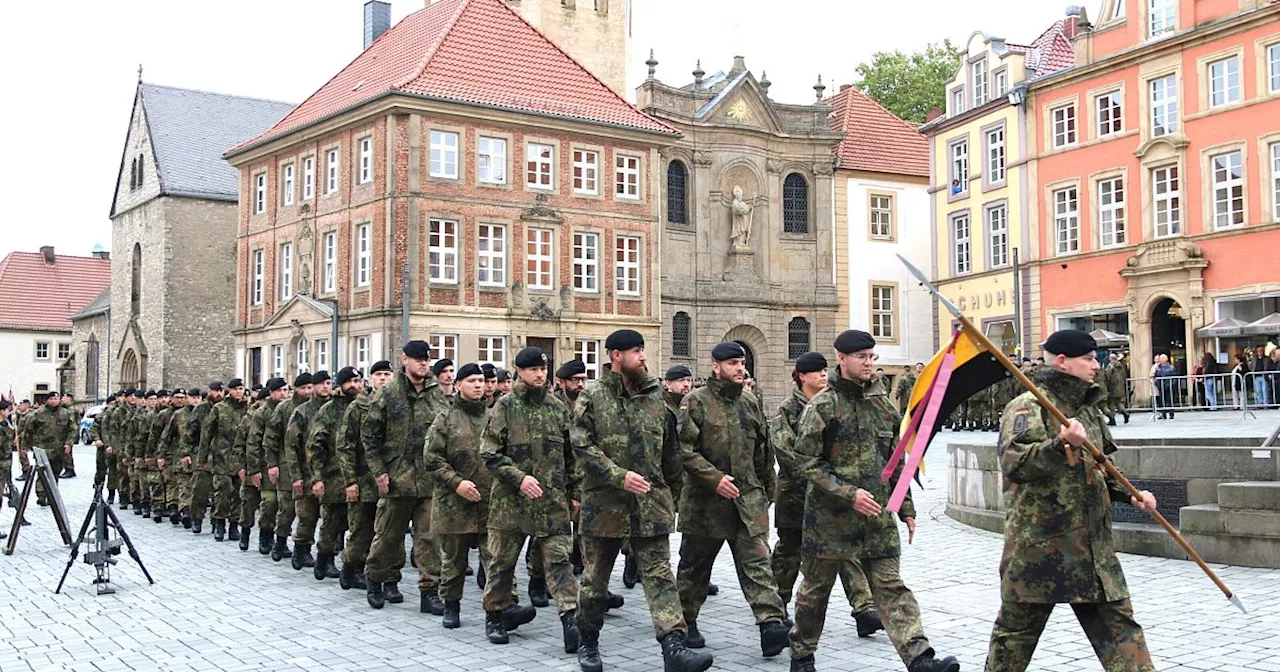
x=740 y=111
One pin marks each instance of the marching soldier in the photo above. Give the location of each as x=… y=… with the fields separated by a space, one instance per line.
x=811 y=378
x=730 y=468
x=274 y=455
x=6 y=448
x=172 y=436
x=136 y=445
x=842 y=443
x=259 y=473
x=104 y=472
x=297 y=472
x=248 y=457
x=121 y=421
x=190 y=449
x=216 y=465
x=906 y=384
x=71 y=421
x=490 y=383
x=153 y=456
x=20 y=425
x=1045 y=561
x=323 y=477
x=359 y=489
x=1115 y=381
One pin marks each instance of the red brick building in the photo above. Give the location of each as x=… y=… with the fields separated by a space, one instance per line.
x=519 y=192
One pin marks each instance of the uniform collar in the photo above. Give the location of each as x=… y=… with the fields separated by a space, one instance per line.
x=726 y=389
x=1068 y=388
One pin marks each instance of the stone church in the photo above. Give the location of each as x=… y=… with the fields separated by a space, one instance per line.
x=747 y=236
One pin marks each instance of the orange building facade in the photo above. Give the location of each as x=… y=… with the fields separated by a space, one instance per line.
x=1156 y=177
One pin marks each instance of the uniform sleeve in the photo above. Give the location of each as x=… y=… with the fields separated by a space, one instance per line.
x=672 y=456
x=764 y=457
x=810 y=454
x=373 y=434
x=493 y=444
x=436 y=451
x=698 y=468
x=71 y=429
x=95 y=432
x=155 y=431
x=207 y=430
x=573 y=468
x=273 y=438
x=255 y=459
x=195 y=430
x=782 y=436
x=319 y=444
x=295 y=440
x=347 y=440
x=1027 y=452
x=586 y=444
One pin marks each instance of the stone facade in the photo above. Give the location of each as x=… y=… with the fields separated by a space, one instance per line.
x=87 y=368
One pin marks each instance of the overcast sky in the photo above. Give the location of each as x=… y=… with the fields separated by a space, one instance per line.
x=71 y=69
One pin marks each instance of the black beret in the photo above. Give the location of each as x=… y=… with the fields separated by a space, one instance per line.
x=257 y=387
x=320 y=377
x=384 y=365
x=345 y=374
x=178 y=391
x=441 y=365
x=571 y=368
x=4 y=405
x=302 y=379
x=624 y=339
x=275 y=384
x=215 y=386
x=678 y=372
x=469 y=370
x=151 y=393
x=163 y=393
x=853 y=340
x=1070 y=342
x=503 y=375
x=25 y=401
x=490 y=371
x=194 y=392
x=138 y=394
x=810 y=362
x=728 y=350
x=417 y=350
x=235 y=382
x=263 y=393
x=530 y=356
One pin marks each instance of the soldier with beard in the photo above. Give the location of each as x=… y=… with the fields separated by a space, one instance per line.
x=358 y=486
x=295 y=470
x=323 y=475
x=215 y=465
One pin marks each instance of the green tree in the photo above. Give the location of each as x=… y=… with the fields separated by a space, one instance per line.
x=910 y=85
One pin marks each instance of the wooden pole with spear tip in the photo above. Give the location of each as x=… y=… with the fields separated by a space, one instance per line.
x=1102 y=462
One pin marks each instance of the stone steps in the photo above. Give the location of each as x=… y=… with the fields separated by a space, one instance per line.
x=1243 y=528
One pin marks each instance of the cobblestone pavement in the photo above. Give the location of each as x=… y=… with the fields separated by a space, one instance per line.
x=216 y=608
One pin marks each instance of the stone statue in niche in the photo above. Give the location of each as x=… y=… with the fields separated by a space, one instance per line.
x=304 y=278
x=740 y=209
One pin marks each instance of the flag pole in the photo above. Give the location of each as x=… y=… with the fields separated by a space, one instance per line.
x=1102 y=461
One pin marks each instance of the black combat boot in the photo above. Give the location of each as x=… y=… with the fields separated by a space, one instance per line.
x=22 y=476
x=480 y=579
x=140 y=509
x=773 y=638
x=244 y=537
x=322 y=562
x=803 y=664
x=361 y=581
x=302 y=556
x=613 y=600
x=470 y=570
x=925 y=662
x=68 y=473
x=452 y=614
x=175 y=515
x=185 y=514
x=280 y=550
x=1111 y=421
x=538 y=594
x=630 y=571
x=41 y=500
x=392 y=591
x=375 y=595
x=219 y=530
x=569 y=622
x=124 y=500
x=676 y=656
x=713 y=589
x=494 y=628
x=197 y=526
x=589 y=651
x=233 y=531
x=264 y=541
x=517 y=615
x=1126 y=417
x=429 y=602
x=111 y=497
x=694 y=639
x=347 y=578
x=331 y=568
x=868 y=622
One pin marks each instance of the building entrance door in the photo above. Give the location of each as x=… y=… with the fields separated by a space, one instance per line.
x=1169 y=332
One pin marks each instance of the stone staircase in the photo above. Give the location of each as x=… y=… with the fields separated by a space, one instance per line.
x=1243 y=528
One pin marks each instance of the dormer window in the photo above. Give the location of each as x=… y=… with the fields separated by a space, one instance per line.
x=1161 y=17
x=957 y=102
x=1117 y=10
x=979 y=80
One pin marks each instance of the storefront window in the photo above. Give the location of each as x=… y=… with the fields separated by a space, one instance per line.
x=1004 y=335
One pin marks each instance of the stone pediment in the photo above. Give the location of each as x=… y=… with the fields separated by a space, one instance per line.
x=741 y=105
x=1164 y=255
x=132 y=340
x=300 y=309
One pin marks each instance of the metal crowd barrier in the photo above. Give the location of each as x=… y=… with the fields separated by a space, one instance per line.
x=1174 y=394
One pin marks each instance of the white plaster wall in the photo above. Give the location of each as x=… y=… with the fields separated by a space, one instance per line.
x=19 y=370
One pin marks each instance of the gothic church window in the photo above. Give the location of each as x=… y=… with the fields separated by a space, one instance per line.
x=677 y=196
x=795 y=204
x=681 y=335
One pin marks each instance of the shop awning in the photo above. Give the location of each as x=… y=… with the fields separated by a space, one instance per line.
x=1268 y=325
x=1227 y=326
x=1109 y=339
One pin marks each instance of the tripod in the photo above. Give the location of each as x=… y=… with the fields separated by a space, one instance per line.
x=104 y=547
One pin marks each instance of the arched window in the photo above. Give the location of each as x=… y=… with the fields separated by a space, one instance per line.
x=798 y=341
x=681 y=335
x=795 y=204
x=133 y=174
x=135 y=291
x=677 y=193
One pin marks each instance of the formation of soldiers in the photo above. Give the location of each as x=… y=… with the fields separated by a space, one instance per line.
x=53 y=426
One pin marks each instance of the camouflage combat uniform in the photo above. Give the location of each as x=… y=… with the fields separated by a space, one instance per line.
x=844 y=438
x=453 y=456
x=247 y=450
x=216 y=464
x=322 y=467
x=21 y=445
x=104 y=471
x=294 y=469
x=172 y=445
x=1115 y=384
x=277 y=497
x=723 y=432
x=256 y=462
x=71 y=422
x=140 y=474
x=153 y=454
x=355 y=471
x=7 y=445
x=47 y=430
x=1058 y=546
x=190 y=448
x=903 y=391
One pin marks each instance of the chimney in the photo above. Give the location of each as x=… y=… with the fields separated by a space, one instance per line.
x=739 y=64
x=933 y=114
x=47 y=253
x=1071 y=27
x=377 y=20
x=845 y=87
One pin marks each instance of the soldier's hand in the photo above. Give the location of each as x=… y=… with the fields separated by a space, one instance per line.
x=726 y=488
x=98 y=443
x=1147 y=504
x=384 y=483
x=67 y=449
x=160 y=462
x=256 y=479
x=1073 y=434
x=137 y=461
x=297 y=487
x=468 y=491
x=110 y=450
x=634 y=483
x=273 y=474
x=911 y=529
x=575 y=508
x=186 y=461
x=242 y=475
x=353 y=493
x=530 y=487
x=865 y=504
x=318 y=489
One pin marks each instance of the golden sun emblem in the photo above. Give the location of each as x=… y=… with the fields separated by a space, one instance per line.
x=740 y=111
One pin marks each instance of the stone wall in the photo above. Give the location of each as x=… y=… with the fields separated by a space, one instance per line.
x=141 y=228
x=92 y=329
x=200 y=287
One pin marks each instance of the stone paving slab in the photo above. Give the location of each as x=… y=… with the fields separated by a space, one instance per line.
x=214 y=608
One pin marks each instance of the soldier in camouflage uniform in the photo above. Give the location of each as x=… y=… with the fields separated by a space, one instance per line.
x=47 y=429
x=173 y=445
x=188 y=492
x=121 y=421
x=153 y=453
x=361 y=493
x=274 y=450
x=70 y=420
x=460 y=508
x=445 y=374
x=394 y=438
x=139 y=430
x=843 y=441
x=490 y=383
x=731 y=477
x=295 y=471
x=104 y=472
x=324 y=476
x=1115 y=381
x=1058 y=545
x=247 y=456
x=906 y=384
x=22 y=415
x=7 y=445
x=811 y=378
x=260 y=477
x=216 y=465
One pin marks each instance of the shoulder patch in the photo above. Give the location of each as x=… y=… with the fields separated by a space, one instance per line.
x=1020 y=422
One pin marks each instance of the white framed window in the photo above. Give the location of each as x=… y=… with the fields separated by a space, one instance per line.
x=363 y=354
x=304 y=355
x=537 y=257
x=586 y=261
x=322 y=354
x=42 y=350
x=883 y=305
x=331 y=171
x=1273 y=68
x=881 y=206
x=979 y=80
x=540 y=166
x=259 y=272
x=960 y=164
x=493 y=350
x=995 y=156
x=1111 y=214
x=1064 y=126
x=1164 y=106
x=443 y=250
x=588 y=352
x=330 y=278
x=1066 y=220
x=491 y=162
x=259 y=193
x=287 y=184
x=957 y=102
x=491 y=255
x=627 y=177
x=998 y=235
x=1228 y=190
x=1117 y=10
x=1110 y=114
x=1161 y=17
x=308 y=178
x=277 y=361
x=1275 y=181
x=586 y=169
x=1224 y=82
x=1001 y=85
x=444 y=154
x=366 y=160
x=1166 y=193
x=286 y=271
x=64 y=351
x=627 y=268
x=444 y=346
x=961 y=235
x=364 y=255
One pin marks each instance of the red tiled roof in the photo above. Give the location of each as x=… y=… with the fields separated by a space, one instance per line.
x=1052 y=50
x=875 y=139
x=470 y=51
x=37 y=296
